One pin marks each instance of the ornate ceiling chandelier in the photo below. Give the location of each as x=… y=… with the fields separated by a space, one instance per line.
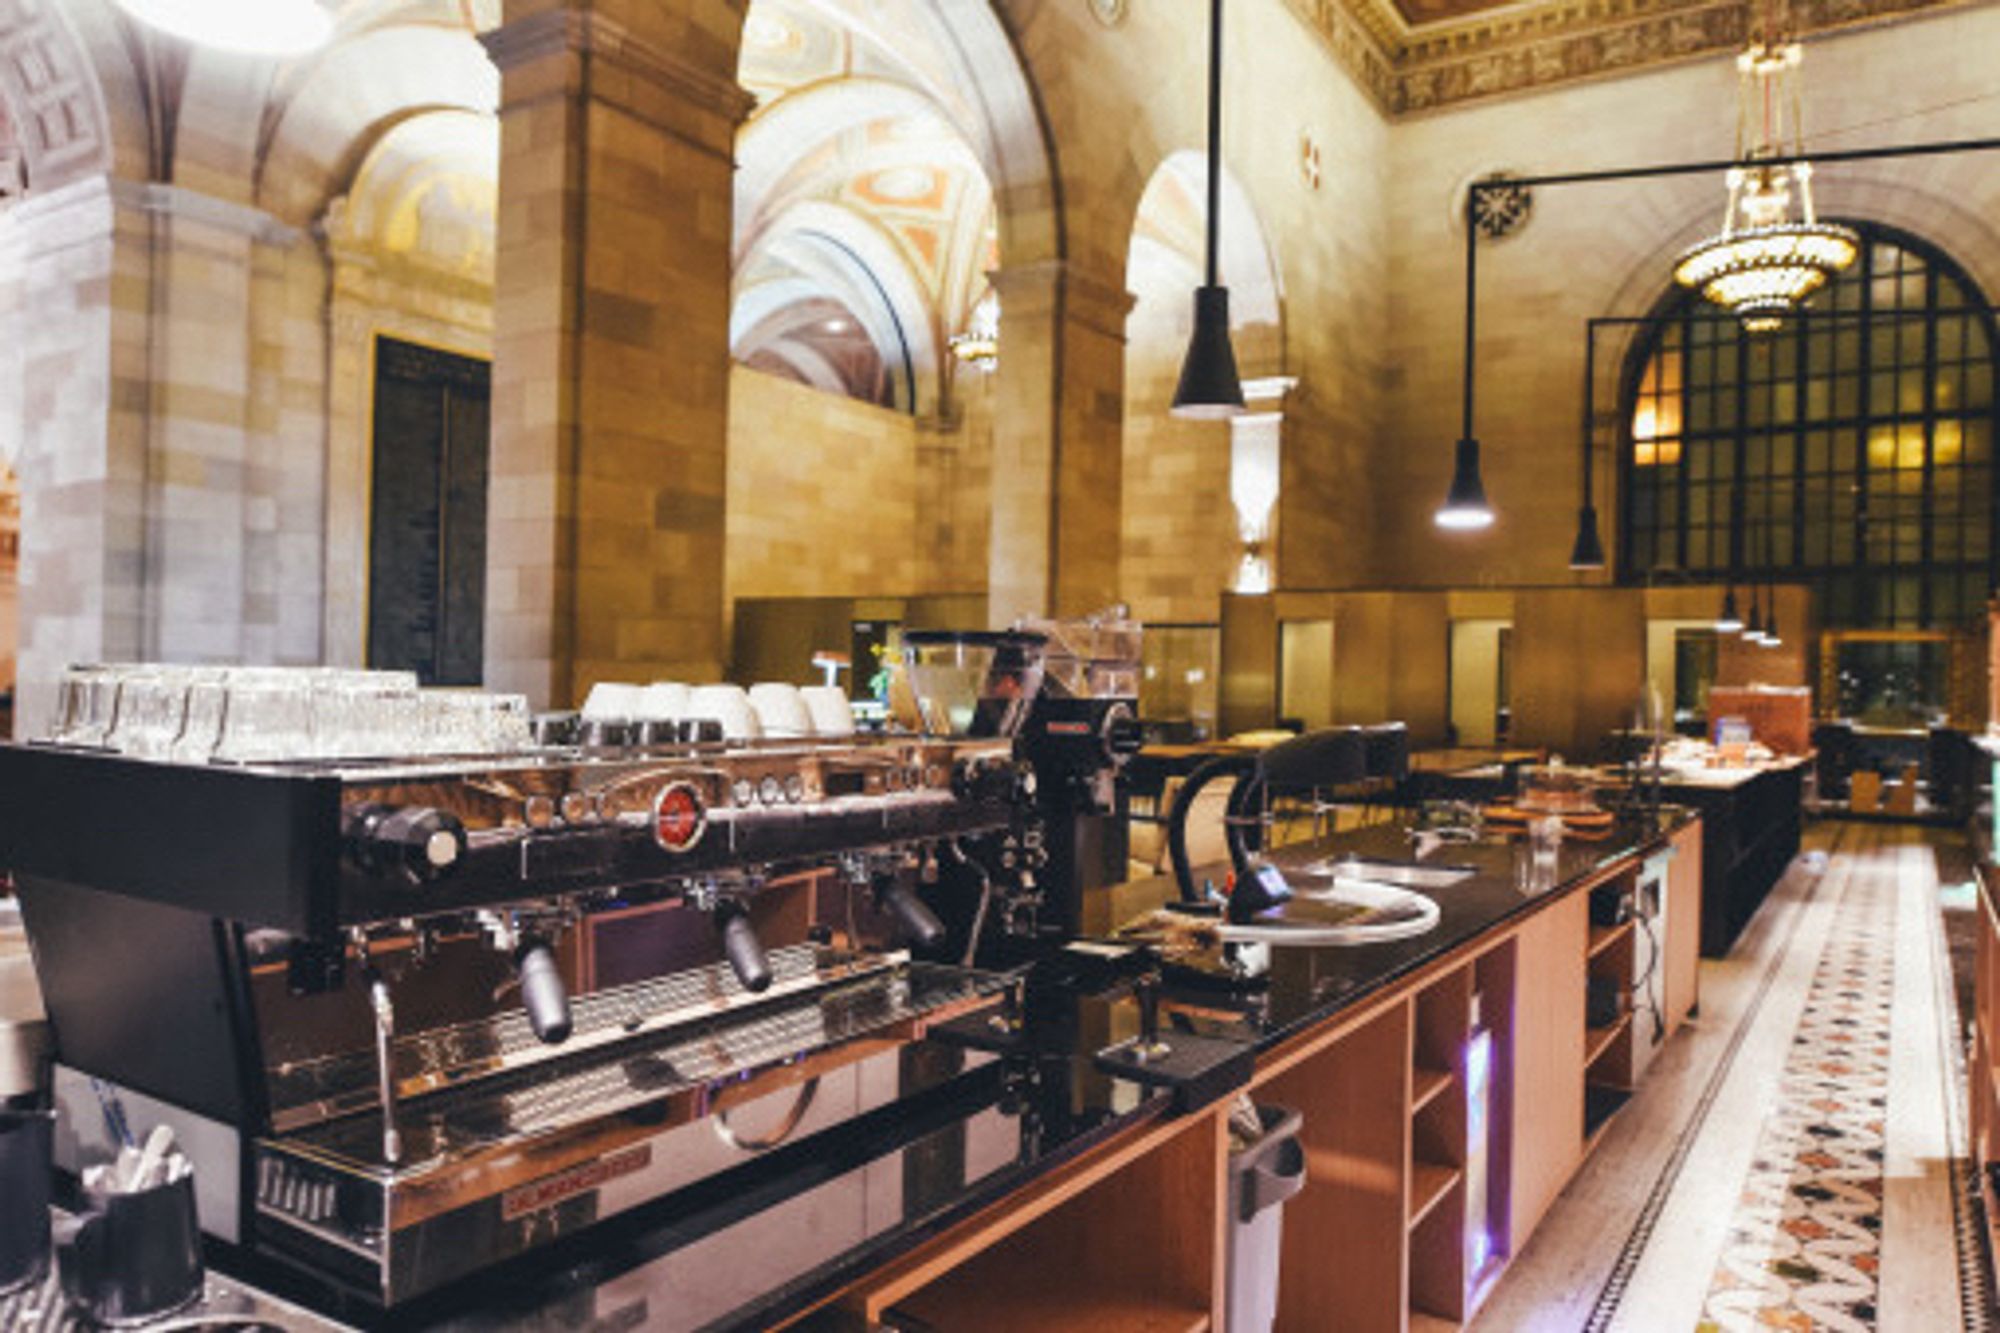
x=1764 y=264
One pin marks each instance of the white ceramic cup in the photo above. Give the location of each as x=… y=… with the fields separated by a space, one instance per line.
x=663 y=701
x=613 y=701
x=781 y=709
x=832 y=714
x=728 y=705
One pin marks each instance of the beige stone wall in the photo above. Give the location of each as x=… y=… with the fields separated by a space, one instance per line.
x=1608 y=249
x=829 y=497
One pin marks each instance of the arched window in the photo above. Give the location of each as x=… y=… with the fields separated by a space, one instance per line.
x=1850 y=449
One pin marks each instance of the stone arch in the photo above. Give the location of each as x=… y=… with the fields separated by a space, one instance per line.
x=336 y=110
x=55 y=60
x=841 y=252
x=975 y=73
x=866 y=186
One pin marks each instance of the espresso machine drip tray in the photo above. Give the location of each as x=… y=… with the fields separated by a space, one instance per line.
x=306 y=1092
x=683 y=1075
x=492 y=1168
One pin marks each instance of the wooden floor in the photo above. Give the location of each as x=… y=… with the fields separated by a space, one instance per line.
x=1791 y=1161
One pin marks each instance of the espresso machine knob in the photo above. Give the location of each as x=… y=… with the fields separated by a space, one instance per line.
x=742 y=948
x=425 y=844
x=543 y=994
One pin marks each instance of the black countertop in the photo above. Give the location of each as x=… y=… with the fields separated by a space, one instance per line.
x=779 y=1234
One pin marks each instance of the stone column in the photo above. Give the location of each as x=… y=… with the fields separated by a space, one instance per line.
x=611 y=343
x=1057 y=432
x=81 y=436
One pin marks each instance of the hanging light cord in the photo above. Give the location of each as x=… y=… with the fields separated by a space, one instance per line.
x=1214 y=140
x=1471 y=302
x=1589 y=388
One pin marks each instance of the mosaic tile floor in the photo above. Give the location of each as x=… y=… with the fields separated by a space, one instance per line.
x=1803 y=1251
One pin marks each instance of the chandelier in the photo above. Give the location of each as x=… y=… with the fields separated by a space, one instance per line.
x=978 y=345
x=1764 y=263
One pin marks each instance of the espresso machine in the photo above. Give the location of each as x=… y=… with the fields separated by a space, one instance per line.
x=414 y=1017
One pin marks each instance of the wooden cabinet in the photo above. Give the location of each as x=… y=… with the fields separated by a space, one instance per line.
x=1548 y=1059
x=1130 y=1241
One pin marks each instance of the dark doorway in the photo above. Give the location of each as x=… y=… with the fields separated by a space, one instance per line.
x=427 y=533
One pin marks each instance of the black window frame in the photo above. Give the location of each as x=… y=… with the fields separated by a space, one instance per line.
x=1862 y=587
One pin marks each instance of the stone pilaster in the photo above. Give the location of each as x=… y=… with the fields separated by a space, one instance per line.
x=611 y=344
x=1057 y=432
x=80 y=436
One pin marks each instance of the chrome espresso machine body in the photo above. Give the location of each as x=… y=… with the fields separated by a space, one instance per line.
x=414 y=1018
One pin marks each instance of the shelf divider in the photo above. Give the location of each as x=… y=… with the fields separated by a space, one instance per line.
x=1429 y=1183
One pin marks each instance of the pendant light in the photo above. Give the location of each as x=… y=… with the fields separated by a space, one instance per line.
x=1209 y=387
x=275 y=28
x=1729 y=622
x=1588 y=551
x=1770 y=637
x=1465 y=507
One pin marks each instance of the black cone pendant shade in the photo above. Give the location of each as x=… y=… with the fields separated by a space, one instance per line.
x=1209 y=386
x=1588 y=553
x=1465 y=506
x=1729 y=622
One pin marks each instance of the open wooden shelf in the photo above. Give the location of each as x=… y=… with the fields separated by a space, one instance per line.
x=1429 y=1183
x=1422 y=1322
x=1425 y=1085
x=1603 y=937
x=1596 y=1041
x=1600 y=1104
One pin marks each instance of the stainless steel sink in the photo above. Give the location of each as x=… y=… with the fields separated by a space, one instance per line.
x=1403 y=874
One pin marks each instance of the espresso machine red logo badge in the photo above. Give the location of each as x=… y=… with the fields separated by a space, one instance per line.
x=679 y=818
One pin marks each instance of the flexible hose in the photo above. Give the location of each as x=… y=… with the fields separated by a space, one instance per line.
x=1242 y=768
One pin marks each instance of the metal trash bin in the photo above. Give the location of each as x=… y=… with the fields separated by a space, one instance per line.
x=1262 y=1176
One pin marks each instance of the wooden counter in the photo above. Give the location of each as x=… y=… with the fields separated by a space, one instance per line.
x=1394 y=1229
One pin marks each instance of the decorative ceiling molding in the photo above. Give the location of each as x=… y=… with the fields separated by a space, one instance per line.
x=1539 y=43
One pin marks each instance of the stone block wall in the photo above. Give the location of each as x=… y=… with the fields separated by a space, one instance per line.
x=833 y=497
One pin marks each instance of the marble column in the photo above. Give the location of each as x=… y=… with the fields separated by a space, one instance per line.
x=611 y=343
x=1057 y=432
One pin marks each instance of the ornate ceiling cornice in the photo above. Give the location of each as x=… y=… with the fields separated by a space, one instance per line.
x=1519 y=47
